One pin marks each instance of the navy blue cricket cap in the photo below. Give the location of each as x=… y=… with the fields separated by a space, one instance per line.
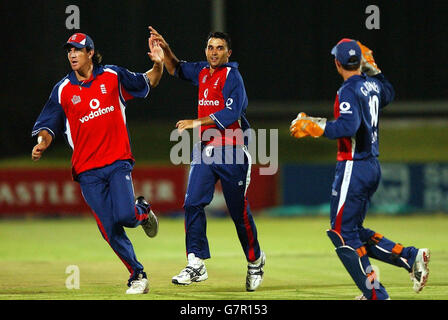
x=79 y=40
x=346 y=49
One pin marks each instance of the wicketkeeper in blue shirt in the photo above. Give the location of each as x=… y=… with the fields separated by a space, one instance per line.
x=359 y=101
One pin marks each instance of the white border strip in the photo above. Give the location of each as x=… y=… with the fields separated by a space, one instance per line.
x=69 y=134
x=63 y=84
x=212 y=116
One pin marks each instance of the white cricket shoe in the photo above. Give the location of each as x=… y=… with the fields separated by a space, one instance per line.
x=255 y=273
x=195 y=271
x=139 y=286
x=420 y=271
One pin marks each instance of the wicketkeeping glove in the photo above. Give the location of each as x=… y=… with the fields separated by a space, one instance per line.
x=295 y=130
x=368 y=65
x=304 y=126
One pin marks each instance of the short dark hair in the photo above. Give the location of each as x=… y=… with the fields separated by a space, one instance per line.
x=221 y=35
x=352 y=67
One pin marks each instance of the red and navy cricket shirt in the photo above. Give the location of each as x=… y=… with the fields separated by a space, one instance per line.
x=91 y=115
x=356 y=110
x=222 y=97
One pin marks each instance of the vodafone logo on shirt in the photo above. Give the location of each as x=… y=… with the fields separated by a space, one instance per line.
x=95 y=105
x=205 y=102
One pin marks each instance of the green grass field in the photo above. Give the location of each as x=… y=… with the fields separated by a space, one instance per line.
x=301 y=263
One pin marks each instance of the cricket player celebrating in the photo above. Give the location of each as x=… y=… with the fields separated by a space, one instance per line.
x=88 y=107
x=356 y=110
x=222 y=103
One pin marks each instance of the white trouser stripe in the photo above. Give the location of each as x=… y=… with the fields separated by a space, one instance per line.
x=248 y=169
x=345 y=184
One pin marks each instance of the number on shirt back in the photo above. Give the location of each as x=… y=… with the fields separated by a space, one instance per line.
x=373 y=104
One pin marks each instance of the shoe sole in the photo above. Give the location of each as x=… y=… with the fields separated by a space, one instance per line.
x=174 y=281
x=144 y=292
x=426 y=257
x=152 y=220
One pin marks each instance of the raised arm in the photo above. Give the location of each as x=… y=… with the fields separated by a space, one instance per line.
x=156 y=55
x=170 y=60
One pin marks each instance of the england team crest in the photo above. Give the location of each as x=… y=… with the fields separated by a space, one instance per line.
x=76 y=99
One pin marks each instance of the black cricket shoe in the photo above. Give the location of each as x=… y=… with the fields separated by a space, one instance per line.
x=151 y=224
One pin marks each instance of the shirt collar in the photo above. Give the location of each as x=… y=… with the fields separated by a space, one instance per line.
x=228 y=64
x=355 y=77
x=97 y=70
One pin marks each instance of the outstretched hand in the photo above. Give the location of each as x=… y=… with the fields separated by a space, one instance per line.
x=155 y=51
x=158 y=37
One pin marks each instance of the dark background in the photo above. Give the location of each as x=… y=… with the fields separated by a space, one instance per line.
x=283 y=48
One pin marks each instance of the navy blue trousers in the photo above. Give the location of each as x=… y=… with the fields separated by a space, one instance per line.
x=231 y=165
x=354 y=184
x=110 y=194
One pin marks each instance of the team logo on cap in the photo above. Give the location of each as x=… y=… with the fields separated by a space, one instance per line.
x=352 y=52
x=78 y=38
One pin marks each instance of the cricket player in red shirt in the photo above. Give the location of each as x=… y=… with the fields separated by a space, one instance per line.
x=220 y=155
x=88 y=107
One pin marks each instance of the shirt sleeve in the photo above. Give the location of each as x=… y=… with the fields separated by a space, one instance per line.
x=387 y=92
x=135 y=85
x=52 y=116
x=189 y=71
x=235 y=99
x=349 y=118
